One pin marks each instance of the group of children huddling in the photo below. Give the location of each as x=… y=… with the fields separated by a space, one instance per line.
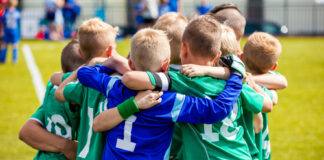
x=214 y=102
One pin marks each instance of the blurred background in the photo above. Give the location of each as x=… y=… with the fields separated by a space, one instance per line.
x=289 y=17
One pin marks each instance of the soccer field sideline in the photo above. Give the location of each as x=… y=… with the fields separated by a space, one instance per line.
x=295 y=131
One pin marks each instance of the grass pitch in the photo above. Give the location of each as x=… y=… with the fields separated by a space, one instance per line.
x=295 y=123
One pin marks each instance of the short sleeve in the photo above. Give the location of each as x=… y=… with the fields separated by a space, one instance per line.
x=39 y=115
x=267 y=91
x=251 y=100
x=73 y=92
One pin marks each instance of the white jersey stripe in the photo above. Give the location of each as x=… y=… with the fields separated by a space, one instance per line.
x=164 y=80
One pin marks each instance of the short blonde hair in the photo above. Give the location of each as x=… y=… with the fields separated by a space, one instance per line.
x=261 y=52
x=203 y=35
x=149 y=48
x=174 y=24
x=229 y=44
x=95 y=36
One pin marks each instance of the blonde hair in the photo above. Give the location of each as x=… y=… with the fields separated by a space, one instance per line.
x=149 y=48
x=203 y=35
x=261 y=52
x=229 y=44
x=95 y=36
x=174 y=24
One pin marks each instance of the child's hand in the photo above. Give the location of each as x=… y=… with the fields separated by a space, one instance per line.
x=233 y=63
x=147 y=99
x=117 y=63
x=192 y=70
x=97 y=60
x=69 y=149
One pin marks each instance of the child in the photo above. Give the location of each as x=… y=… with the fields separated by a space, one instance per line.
x=173 y=24
x=200 y=45
x=11 y=21
x=204 y=7
x=164 y=7
x=261 y=53
x=133 y=138
x=59 y=119
x=96 y=39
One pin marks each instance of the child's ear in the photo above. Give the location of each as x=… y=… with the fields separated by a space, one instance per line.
x=217 y=57
x=109 y=51
x=131 y=66
x=80 y=53
x=165 y=65
x=274 y=66
x=184 y=50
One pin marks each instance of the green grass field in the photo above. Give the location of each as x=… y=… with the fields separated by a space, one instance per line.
x=295 y=123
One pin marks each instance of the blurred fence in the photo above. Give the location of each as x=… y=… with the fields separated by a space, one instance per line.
x=300 y=17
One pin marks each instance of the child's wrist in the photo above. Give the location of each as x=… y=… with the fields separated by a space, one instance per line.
x=127 y=108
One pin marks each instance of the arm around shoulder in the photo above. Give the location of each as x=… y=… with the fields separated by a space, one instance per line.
x=137 y=80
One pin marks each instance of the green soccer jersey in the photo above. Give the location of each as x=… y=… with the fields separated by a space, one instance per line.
x=222 y=140
x=90 y=144
x=247 y=122
x=58 y=119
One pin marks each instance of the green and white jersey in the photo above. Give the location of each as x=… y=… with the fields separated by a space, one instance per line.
x=222 y=140
x=58 y=119
x=247 y=122
x=90 y=144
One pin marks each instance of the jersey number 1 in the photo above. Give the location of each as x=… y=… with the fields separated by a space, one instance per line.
x=126 y=143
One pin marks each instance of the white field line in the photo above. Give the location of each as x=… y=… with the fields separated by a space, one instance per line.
x=34 y=72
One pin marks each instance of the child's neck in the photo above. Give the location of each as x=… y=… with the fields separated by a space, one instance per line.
x=11 y=8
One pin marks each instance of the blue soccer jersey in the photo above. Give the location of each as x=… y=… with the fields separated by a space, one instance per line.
x=11 y=20
x=148 y=134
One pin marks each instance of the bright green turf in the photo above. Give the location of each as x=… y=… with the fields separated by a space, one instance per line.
x=295 y=124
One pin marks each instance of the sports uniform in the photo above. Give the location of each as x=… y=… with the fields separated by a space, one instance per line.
x=57 y=118
x=147 y=134
x=222 y=140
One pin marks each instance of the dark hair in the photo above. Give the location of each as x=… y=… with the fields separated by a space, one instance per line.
x=228 y=14
x=70 y=58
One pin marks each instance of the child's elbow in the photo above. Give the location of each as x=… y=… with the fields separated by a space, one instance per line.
x=127 y=78
x=268 y=107
x=96 y=125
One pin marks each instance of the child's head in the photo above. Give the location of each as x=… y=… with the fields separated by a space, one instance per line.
x=96 y=38
x=12 y=3
x=150 y=51
x=230 y=15
x=174 y=25
x=229 y=44
x=70 y=58
x=261 y=52
x=201 y=41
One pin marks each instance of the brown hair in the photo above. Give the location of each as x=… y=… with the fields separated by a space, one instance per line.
x=231 y=16
x=70 y=58
x=174 y=25
x=149 y=48
x=261 y=52
x=203 y=35
x=95 y=36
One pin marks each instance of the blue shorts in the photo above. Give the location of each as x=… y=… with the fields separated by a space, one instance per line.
x=11 y=37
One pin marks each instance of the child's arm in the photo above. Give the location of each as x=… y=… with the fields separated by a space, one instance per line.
x=59 y=96
x=271 y=81
x=192 y=70
x=137 y=80
x=56 y=78
x=267 y=102
x=117 y=63
x=257 y=123
x=274 y=97
x=110 y=118
x=33 y=134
